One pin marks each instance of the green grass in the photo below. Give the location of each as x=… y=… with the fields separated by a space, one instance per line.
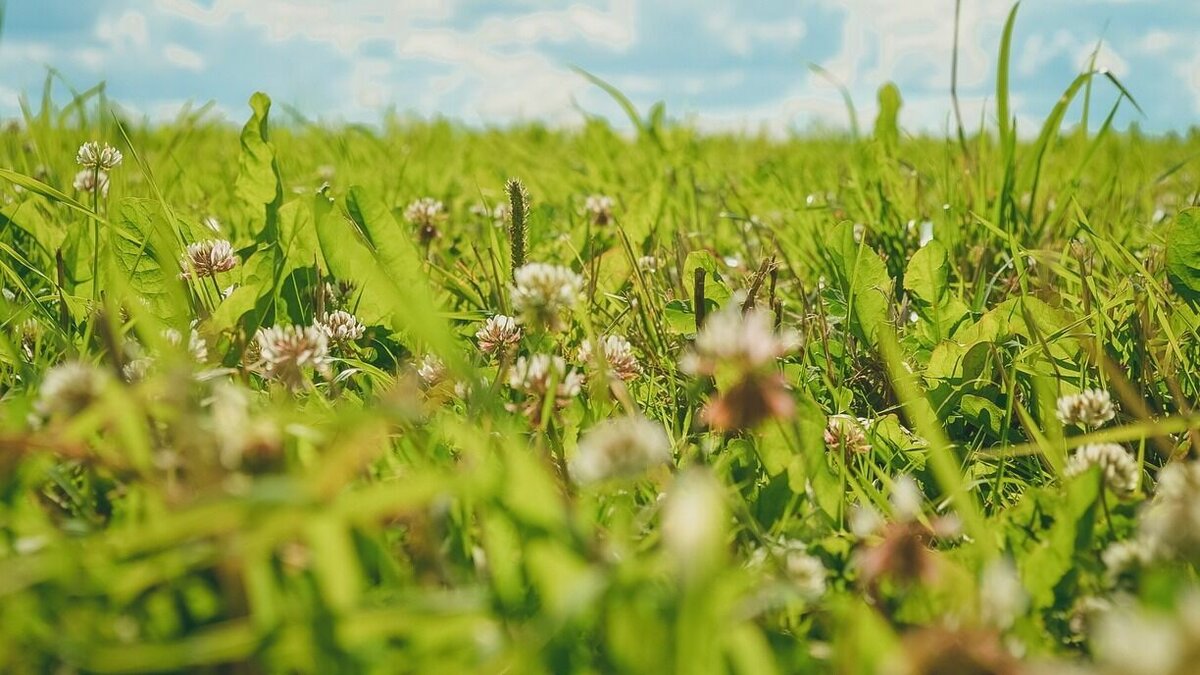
x=195 y=514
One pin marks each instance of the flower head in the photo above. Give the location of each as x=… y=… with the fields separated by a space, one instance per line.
x=207 y=258
x=648 y=264
x=620 y=448
x=92 y=156
x=542 y=292
x=743 y=342
x=1170 y=523
x=599 y=209
x=87 y=180
x=617 y=354
x=1119 y=469
x=500 y=335
x=341 y=327
x=197 y=347
x=804 y=571
x=847 y=435
x=426 y=213
x=540 y=377
x=1088 y=408
x=432 y=370
x=287 y=352
x=497 y=214
x=69 y=388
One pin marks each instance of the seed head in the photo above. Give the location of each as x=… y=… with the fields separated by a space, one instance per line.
x=620 y=448
x=287 y=352
x=1088 y=408
x=341 y=327
x=88 y=179
x=207 y=258
x=617 y=354
x=92 y=156
x=542 y=292
x=69 y=388
x=500 y=335
x=1119 y=468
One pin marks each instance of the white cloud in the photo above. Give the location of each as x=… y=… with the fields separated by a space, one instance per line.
x=182 y=57
x=1158 y=42
x=740 y=35
x=127 y=30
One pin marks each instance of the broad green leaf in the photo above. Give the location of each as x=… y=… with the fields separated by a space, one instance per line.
x=928 y=273
x=258 y=186
x=144 y=258
x=1183 y=254
x=862 y=280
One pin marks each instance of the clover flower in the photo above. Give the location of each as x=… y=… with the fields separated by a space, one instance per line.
x=542 y=376
x=740 y=341
x=197 y=347
x=542 y=292
x=620 y=448
x=1170 y=523
x=847 y=435
x=648 y=264
x=598 y=208
x=207 y=258
x=426 y=213
x=87 y=180
x=617 y=354
x=94 y=157
x=69 y=388
x=804 y=571
x=1088 y=408
x=341 y=327
x=1119 y=469
x=497 y=214
x=432 y=370
x=286 y=352
x=500 y=334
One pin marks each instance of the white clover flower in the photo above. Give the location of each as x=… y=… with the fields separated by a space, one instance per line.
x=617 y=354
x=1122 y=556
x=846 y=434
x=1002 y=596
x=1088 y=408
x=694 y=522
x=542 y=292
x=1170 y=523
x=287 y=352
x=207 y=258
x=1119 y=468
x=93 y=156
x=500 y=335
x=535 y=378
x=88 y=179
x=620 y=448
x=69 y=388
x=432 y=370
x=1132 y=640
x=197 y=347
x=804 y=571
x=424 y=211
x=648 y=264
x=745 y=342
x=341 y=327
x=907 y=501
x=497 y=214
x=599 y=209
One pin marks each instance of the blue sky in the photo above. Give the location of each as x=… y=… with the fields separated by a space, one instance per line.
x=722 y=65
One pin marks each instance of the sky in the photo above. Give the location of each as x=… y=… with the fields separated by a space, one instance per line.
x=720 y=65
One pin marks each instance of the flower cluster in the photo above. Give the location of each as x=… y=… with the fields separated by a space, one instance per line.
x=598 y=209
x=1088 y=408
x=207 y=259
x=69 y=388
x=341 y=327
x=96 y=158
x=541 y=293
x=89 y=180
x=1119 y=469
x=617 y=354
x=620 y=448
x=426 y=213
x=542 y=377
x=287 y=352
x=846 y=435
x=499 y=335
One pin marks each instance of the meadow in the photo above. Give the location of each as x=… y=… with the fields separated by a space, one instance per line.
x=428 y=398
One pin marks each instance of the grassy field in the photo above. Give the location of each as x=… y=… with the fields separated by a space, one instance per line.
x=668 y=402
